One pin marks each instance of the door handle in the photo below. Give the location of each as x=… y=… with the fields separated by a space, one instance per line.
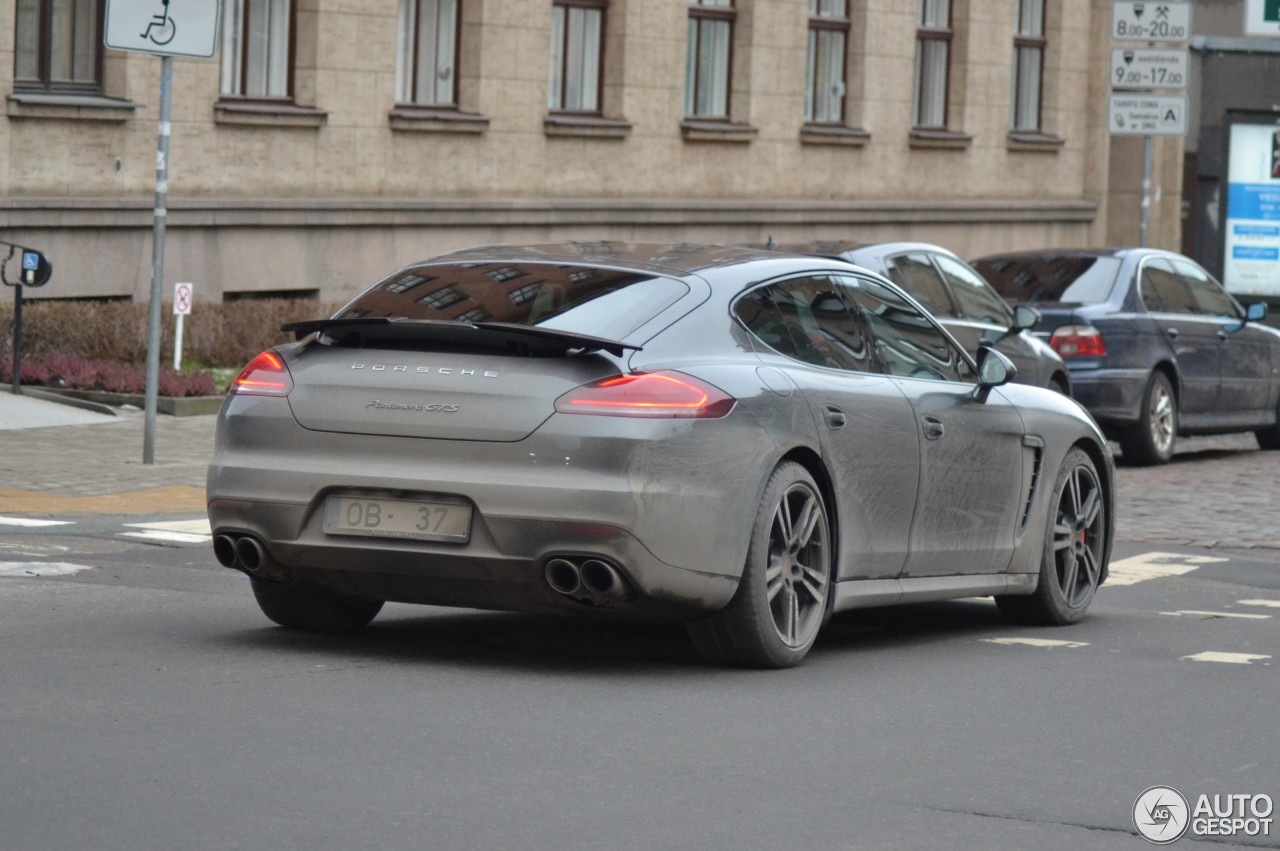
x=1171 y=333
x=933 y=428
x=834 y=416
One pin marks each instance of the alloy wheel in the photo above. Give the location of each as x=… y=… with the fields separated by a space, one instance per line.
x=1078 y=536
x=798 y=570
x=1161 y=417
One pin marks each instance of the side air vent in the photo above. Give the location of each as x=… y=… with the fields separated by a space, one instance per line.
x=1036 y=458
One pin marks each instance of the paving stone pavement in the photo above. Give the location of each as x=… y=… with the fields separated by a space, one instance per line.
x=1218 y=492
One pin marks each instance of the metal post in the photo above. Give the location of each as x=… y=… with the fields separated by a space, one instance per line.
x=1146 y=191
x=17 y=339
x=157 y=262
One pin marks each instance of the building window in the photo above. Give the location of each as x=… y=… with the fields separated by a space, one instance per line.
x=933 y=61
x=257 y=48
x=1028 y=66
x=577 y=28
x=824 y=75
x=706 y=85
x=426 y=58
x=57 y=46
x=441 y=298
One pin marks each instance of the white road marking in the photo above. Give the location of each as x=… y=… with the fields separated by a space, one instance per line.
x=1229 y=658
x=29 y=549
x=190 y=527
x=167 y=537
x=25 y=569
x=1271 y=604
x=1195 y=613
x=26 y=521
x=1140 y=568
x=1036 y=642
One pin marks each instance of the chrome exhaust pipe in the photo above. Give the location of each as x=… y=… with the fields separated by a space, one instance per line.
x=224 y=550
x=563 y=576
x=250 y=554
x=601 y=579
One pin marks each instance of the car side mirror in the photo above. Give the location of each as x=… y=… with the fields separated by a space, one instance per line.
x=1025 y=318
x=1255 y=312
x=994 y=370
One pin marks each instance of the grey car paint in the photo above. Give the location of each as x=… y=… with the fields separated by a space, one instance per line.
x=915 y=515
x=1037 y=363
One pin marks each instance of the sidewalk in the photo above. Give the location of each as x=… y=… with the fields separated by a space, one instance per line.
x=58 y=459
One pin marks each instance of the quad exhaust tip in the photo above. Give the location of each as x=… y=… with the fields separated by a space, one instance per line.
x=242 y=552
x=586 y=579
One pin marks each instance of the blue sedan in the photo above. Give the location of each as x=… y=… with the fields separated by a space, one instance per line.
x=1156 y=347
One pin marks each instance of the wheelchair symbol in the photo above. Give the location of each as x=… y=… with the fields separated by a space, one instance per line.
x=162 y=28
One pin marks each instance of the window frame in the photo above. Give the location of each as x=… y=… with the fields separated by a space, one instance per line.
x=709 y=10
x=925 y=34
x=1024 y=41
x=243 y=57
x=598 y=110
x=408 y=65
x=44 y=82
x=819 y=23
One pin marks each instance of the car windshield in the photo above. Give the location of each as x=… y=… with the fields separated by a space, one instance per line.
x=1051 y=278
x=606 y=303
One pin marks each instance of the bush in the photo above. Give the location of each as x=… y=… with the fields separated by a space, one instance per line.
x=85 y=345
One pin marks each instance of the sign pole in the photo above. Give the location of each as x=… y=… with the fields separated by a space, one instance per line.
x=157 y=262
x=1146 y=192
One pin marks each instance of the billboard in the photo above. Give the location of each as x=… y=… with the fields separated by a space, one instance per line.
x=1251 y=259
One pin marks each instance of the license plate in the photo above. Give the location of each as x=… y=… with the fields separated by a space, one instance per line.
x=419 y=520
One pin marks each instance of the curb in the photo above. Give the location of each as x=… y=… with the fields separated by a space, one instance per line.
x=64 y=399
x=100 y=400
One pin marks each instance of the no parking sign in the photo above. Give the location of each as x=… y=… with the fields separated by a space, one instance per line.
x=182 y=299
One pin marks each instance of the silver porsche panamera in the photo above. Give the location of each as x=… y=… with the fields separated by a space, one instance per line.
x=742 y=441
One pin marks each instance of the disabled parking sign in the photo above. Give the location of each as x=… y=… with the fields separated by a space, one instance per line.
x=187 y=28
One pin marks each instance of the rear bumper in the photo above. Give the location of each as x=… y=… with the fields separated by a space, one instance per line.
x=1112 y=396
x=670 y=504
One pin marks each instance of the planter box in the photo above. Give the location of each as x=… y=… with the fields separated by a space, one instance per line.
x=178 y=406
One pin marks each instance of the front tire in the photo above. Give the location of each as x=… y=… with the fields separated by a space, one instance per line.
x=1075 y=543
x=311 y=608
x=781 y=601
x=1150 y=440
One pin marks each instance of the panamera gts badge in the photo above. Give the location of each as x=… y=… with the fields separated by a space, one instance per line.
x=434 y=407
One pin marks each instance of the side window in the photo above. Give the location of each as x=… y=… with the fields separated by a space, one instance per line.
x=806 y=319
x=976 y=299
x=1209 y=297
x=907 y=344
x=916 y=274
x=1163 y=291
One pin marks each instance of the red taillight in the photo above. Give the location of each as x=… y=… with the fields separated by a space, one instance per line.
x=1078 y=341
x=266 y=375
x=647 y=394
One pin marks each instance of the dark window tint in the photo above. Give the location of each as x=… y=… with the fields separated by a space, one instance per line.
x=1209 y=296
x=806 y=319
x=1050 y=278
x=916 y=274
x=977 y=300
x=907 y=344
x=601 y=302
x=1163 y=291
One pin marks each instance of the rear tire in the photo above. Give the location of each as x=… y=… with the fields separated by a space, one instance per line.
x=1072 y=562
x=781 y=601
x=311 y=608
x=1150 y=440
x=1269 y=438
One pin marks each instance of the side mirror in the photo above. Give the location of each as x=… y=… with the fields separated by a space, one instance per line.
x=1255 y=312
x=994 y=370
x=1025 y=318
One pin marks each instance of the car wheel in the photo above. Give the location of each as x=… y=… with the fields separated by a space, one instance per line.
x=781 y=601
x=311 y=608
x=1075 y=541
x=1060 y=384
x=1269 y=438
x=1150 y=440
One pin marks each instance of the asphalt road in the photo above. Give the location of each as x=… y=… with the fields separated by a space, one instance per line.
x=148 y=705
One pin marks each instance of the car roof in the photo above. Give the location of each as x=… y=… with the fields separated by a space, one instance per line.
x=666 y=258
x=841 y=248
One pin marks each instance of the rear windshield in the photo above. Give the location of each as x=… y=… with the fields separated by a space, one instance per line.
x=1074 y=280
x=605 y=303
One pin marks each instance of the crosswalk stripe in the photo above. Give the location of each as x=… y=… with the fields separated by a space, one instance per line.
x=1272 y=604
x=1229 y=658
x=26 y=521
x=1196 y=613
x=1036 y=642
x=168 y=537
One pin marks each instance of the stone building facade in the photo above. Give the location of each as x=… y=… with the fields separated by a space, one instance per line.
x=342 y=139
